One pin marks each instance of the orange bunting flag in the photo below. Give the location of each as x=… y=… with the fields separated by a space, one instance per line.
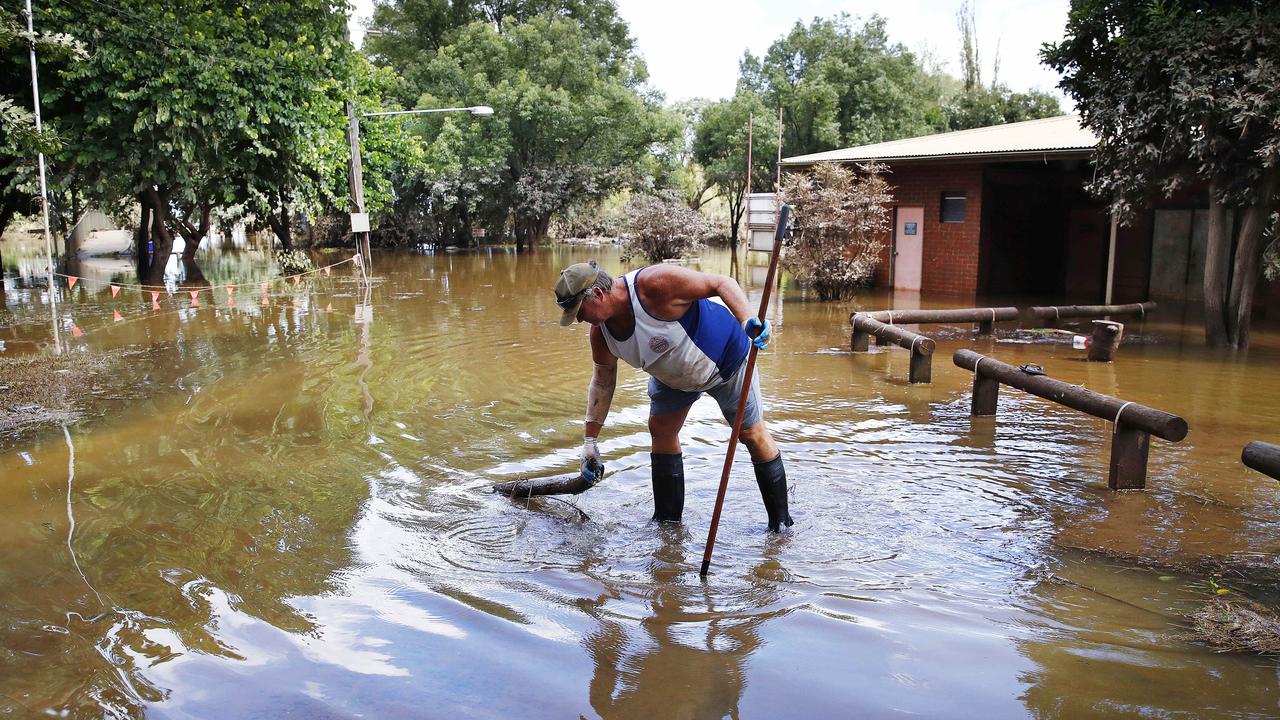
x=195 y=300
x=115 y=290
x=328 y=308
x=115 y=316
x=76 y=331
x=231 y=302
x=71 y=282
x=230 y=289
x=155 y=300
x=266 y=301
x=264 y=288
x=326 y=270
x=297 y=279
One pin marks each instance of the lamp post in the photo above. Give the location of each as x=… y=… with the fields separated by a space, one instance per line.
x=360 y=218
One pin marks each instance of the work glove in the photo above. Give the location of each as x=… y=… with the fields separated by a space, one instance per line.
x=591 y=465
x=762 y=339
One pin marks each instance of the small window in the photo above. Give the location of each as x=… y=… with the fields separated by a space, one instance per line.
x=952 y=207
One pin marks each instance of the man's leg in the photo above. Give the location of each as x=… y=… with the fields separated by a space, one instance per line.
x=771 y=475
x=766 y=458
x=668 y=409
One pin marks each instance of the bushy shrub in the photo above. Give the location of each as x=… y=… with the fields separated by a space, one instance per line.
x=661 y=227
x=293 y=262
x=841 y=220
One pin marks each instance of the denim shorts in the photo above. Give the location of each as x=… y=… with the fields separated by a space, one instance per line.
x=664 y=399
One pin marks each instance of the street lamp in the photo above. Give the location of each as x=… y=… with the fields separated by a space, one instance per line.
x=359 y=218
x=477 y=110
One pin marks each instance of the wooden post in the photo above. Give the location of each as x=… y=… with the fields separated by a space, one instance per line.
x=986 y=327
x=921 y=367
x=986 y=394
x=1129 y=449
x=859 y=341
x=1105 y=340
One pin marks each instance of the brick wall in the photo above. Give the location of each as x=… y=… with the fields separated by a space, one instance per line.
x=951 y=250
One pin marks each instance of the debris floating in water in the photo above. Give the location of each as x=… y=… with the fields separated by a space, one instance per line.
x=534 y=487
x=1238 y=625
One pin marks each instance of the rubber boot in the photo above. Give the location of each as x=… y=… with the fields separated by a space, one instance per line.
x=772 y=479
x=668 y=486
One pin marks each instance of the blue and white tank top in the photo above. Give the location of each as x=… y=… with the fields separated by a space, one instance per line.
x=695 y=353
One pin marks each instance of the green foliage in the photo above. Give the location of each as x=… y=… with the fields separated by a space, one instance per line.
x=294 y=262
x=841 y=85
x=982 y=107
x=1182 y=91
x=573 y=124
x=841 y=221
x=1175 y=90
x=720 y=147
x=661 y=227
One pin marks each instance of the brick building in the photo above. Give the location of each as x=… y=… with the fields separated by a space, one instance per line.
x=1002 y=210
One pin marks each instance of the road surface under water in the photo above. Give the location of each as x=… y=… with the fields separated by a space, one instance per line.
x=294 y=520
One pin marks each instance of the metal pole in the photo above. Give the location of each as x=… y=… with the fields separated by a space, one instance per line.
x=44 y=190
x=747 y=197
x=357 y=183
x=1111 y=261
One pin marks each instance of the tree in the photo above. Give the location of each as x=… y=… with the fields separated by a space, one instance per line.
x=192 y=107
x=982 y=107
x=19 y=141
x=720 y=146
x=842 y=85
x=573 y=124
x=841 y=221
x=1182 y=91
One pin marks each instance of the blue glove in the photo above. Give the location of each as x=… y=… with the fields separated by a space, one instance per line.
x=754 y=326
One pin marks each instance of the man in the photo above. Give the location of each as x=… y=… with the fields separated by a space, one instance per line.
x=660 y=319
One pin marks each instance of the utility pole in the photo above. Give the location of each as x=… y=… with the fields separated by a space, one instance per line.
x=44 y=190
x=359 y=218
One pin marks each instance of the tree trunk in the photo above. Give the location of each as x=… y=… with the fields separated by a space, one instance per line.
x=192 y=236
x=1217 y=265
x=142 y=254
x=1248 y=263
x=735 y=217
x=282 y=227
x=159 y=201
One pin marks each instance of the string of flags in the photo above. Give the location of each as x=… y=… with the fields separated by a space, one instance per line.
x=194 y=293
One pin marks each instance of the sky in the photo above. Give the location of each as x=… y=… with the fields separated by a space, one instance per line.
x=692 y=47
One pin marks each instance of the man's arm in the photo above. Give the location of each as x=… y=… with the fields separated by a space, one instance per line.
x=671 y=289
x=604 y=378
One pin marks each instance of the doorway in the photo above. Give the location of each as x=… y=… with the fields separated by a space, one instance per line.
x=908 y=248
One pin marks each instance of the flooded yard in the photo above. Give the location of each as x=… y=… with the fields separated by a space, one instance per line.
x=288 y=514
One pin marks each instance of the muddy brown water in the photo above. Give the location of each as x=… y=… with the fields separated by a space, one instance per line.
x=294 y=522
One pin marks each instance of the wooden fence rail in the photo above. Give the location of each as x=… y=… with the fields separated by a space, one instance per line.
x=1134 y=423
x=1263 y=457
x=920 y=346
x=985 y=317
x=1051 y=313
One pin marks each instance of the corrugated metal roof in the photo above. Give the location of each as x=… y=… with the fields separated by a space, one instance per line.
x=1062 y=135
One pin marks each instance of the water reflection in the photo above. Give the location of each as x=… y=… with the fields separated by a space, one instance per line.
x=293 y=519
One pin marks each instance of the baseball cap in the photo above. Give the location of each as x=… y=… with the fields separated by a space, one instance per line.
x=572 y=287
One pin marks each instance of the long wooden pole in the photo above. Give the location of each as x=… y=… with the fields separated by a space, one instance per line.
x=784 y=219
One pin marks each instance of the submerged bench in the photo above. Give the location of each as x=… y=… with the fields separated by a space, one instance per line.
x=1134 y=423
x=1263 y=457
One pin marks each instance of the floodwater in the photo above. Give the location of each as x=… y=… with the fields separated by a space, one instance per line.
x=293 y=521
